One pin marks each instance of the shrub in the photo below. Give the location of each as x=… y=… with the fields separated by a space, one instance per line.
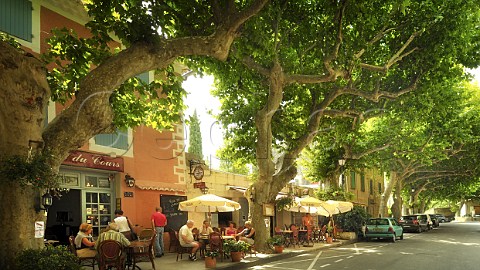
x=276 y=240
x=58 y=258
x=352 y=221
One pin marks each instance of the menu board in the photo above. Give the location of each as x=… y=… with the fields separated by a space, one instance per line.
x=175 y=217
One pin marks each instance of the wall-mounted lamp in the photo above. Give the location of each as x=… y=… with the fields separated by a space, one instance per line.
x=47 y=201
x=130 y=181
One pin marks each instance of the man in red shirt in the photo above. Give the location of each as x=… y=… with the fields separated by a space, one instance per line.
x=159 y=221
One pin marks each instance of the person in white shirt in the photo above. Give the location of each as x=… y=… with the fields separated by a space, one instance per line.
x=123 y=224
x=185 y=237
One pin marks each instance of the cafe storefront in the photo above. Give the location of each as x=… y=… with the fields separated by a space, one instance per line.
x=88 y=193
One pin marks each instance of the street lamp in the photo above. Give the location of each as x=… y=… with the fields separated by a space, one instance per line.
x=341 y=162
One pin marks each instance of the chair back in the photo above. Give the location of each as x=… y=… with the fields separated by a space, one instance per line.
x=71 y=245
x=110 y=252
x=215 y=241
x=146 y=234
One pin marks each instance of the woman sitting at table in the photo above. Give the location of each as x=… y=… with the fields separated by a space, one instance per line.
x=84 y=236
x=231 y=230
x=248 y=234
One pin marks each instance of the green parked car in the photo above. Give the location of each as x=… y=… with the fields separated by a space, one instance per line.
x=383 y=228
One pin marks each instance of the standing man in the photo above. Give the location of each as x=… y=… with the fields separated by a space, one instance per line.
x=159 y=221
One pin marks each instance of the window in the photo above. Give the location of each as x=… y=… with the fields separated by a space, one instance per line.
x=16 y=18
x=380 y=188
x=371 y=187
x=352 y=180
x=362 y=182
x=117 y=140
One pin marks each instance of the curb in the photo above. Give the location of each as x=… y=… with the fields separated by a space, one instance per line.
x=277 y=257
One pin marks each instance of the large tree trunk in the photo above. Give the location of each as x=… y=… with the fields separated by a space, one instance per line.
x=386 y=194
x=24 y=93
x=398 y=202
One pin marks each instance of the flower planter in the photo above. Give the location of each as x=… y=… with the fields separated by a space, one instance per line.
x=329 y=239
x=347 y=235
x=236 y=256
x=210 y=262
x=278 y=249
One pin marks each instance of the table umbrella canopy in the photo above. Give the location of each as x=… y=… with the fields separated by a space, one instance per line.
x=330 y=208
x=209 y=203
x=309 y=202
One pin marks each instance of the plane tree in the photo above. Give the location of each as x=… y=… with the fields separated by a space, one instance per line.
x=300 y=65
x=95 y=80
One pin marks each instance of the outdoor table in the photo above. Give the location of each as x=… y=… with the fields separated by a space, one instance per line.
x=141 y=246
x=288 y=235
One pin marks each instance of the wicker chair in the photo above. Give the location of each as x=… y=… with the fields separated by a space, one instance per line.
x=84 y=258
x=111 y=254
x=141 y=252
x=216 y=243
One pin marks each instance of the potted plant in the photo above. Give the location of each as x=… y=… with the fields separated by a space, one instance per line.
x=235 y=248
x=278 y=242
x=211 y=259
x=352 y=222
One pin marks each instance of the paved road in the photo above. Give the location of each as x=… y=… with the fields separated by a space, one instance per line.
x=451 y=246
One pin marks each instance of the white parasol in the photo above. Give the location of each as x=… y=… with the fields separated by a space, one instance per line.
x=209 y=203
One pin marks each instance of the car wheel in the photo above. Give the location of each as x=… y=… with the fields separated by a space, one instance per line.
x=394 y=238
x=401 y=237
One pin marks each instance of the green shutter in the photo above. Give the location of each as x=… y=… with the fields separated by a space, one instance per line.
x=144 y=77
x=16 y=18
x=352 y=180
x=362 y=182
x=117 y=140
x=371 y=187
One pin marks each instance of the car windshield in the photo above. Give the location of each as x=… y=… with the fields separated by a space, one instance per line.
x=378 y=221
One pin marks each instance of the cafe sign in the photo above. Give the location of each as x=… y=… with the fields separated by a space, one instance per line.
x=94 y=161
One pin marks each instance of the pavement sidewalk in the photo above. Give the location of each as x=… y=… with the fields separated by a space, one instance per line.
x=168 y=262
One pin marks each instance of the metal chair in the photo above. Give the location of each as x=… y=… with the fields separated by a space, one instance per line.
x=84 y=258
x=111 y=254
x=216 y=243
x=141 y=252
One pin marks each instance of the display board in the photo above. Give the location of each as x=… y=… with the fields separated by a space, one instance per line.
x=175 y=217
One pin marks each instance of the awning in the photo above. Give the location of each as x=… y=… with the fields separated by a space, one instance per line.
x=161 y=186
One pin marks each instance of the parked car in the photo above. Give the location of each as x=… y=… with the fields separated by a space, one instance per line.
x=386 y=228
x=412 y=223
x=441 y=218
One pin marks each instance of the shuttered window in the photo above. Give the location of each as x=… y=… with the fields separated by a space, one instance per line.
x=16 y=18
x=362 y=182
x=353 y=184
x=117 y=140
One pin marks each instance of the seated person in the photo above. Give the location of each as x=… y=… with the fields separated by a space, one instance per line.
x=112 y=233
x=206 y=229
x=231 y=230
x=248 y=234
x=84 y=237
x=196 y=233
x=185 y=237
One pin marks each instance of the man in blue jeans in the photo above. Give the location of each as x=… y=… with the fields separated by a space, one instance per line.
x=159 y=221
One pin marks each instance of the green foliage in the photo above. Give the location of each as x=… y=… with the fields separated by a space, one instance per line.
x=276 y=240
x=334 y=193
x=283 y=203
x=352 y=221
x=212 y=253
x=34 y=171
x=195 y=141
x=10 y=40
x=59 y=258
x=231 y=245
